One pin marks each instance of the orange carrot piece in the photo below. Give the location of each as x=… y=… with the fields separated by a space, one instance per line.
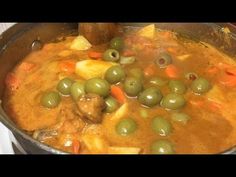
x=212 y=70
x=172 y=71
x=67 y=66
x=76 y=146
x=231 y=71
x=172 y=50
x=26 y=66
x=213 y=106
x=95 y=55
x=197 y=103
x=227 y=80
x=150 y=70
x=12 y=82
x=128 y=53
x=118 y=94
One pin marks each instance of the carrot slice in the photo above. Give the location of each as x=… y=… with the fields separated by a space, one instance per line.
x=212 y=70
x=76 y=146
x=227 y=80
x=213 y=106
x=26 y=66
x=118 y=94
x=172 y=71
x=95 y=55
x=67 y=66
x=12 y=82
x=231 y=71
x=149 y=70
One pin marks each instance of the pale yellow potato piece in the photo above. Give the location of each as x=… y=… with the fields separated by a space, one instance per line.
x=88 y=69
x=95 y=143
x=80 y=43
x=147 y=31
x=123 y=150
x=216 y=95
x=183 y=57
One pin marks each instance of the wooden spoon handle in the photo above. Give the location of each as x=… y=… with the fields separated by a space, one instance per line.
x=98 y=33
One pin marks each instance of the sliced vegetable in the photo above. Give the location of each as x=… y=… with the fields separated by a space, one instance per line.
x=12 y=82
x=76 y=146
x=127 y=60
x=147 y=31
x=150 y=70
x=172 y=71
x=26 y=66
x=183 y=57
x=67 y=66
x=95 y=55
x=88 y=69
x=123 y=150
x=118 y=94
x=227 y=80
x=95 y=143
x=80 y=43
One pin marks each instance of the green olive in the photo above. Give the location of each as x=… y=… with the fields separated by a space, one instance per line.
x=77 y=89
x=163 y=60
x=177 y=86
x=115 y=74
x=111 y=55
x=191 y=76
x=117 y=43
x=64 y=86
x=137 y=73
x=132 y=86
x=162 y=147
x=173 y=101
x=126 y=127
x=150 y=97
x=161 y=126
x=180 y=117
x=158 y=81
x=200 y=85
x=50 y=99
x=98 y=86
x=111 y=104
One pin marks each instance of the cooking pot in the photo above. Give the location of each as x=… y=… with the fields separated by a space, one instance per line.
x=22 y=38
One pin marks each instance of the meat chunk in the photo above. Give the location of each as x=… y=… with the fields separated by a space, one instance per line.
x=90 y=107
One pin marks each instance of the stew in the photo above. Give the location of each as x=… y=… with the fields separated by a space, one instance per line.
x=146 y=91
